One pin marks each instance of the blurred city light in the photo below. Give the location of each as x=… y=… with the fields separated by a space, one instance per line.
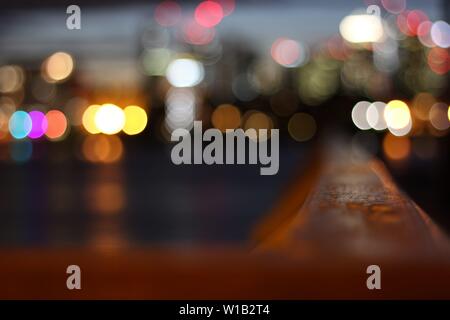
x=257 y=120
x=288 y=53
x=375 y=115
x=180 y=108
x=135 y=120
x=265 y=76
x=397 y=114
x=440 y=34
x=57 y=124
x=422 y=104
x=439 y=116
x=185 y=73
x=414 y=19
x=226 y=116
x=398 y=117
x=57 y=67
x=88 y=119
x=155 y=61
x=11 y=78
x=39 y=124
x=424 y=34
x=196 y=34
x=208 y=14
x=20 y=124
x=359 y=115
x=360 y=28
x=439 y=60
x=109 y=119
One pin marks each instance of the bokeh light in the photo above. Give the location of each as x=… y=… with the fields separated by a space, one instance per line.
x=440 y=34
x=375 y=115
x=58 y=67
x=361 y=28
x=422 y=104
x=109 y=119
x=7 y=105
x=208 y=14
x=401 y=131
x=318 y=81
x=88 y=119
x=257 y=120
x=359 y=113
x=439 y=60
x=397 y=114
x=414 y=20
x=288 y=53
x=11 y=78
x=265 y=76
x=39 y=124
x=196 y=34
x=57 y=124
x=226 y=116
x=185 y=73
x=424 y=34
x=439 y=116
x=20 y=124
x=135 y=120
x=402 y=23
x=155 y=61
x=180 y=108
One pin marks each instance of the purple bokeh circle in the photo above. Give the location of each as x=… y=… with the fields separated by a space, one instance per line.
x=39 y=124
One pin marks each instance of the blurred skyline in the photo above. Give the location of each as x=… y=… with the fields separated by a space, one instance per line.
x=25 y=33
